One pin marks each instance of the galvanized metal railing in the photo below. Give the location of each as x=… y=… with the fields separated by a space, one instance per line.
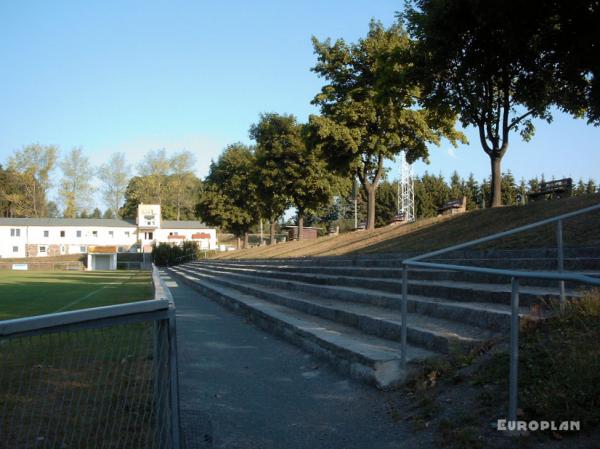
x=97 y=377
x=515 y=275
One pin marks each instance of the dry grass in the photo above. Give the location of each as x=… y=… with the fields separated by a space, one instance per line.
x=434 y=233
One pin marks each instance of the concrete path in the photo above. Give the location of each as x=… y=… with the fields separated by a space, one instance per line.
x=242 y=388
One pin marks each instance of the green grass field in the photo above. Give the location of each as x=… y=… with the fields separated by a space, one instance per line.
x=26 y=293
x=91 y=387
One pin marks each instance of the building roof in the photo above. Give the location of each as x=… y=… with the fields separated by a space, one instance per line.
x=183 y=224
x=97 y=222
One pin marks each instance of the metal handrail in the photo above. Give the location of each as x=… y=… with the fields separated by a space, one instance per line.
x=515 y=275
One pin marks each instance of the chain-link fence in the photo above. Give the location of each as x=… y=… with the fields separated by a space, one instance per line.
x=95 y=378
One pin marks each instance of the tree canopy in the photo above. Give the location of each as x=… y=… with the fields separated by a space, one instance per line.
x=486 y=63
x=365 y=120
x=229 y=196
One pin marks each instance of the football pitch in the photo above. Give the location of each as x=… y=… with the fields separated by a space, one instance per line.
x=27 y=293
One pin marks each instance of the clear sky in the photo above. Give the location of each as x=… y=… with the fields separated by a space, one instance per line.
x=139 y=75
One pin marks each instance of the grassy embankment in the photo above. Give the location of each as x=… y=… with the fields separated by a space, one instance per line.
x=439 y=232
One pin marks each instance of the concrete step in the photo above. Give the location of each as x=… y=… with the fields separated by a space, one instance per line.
x=396 y=273
x=544 y=259
x=490 y=316
x=432 y=333
x=453 y=290
x=364 y=357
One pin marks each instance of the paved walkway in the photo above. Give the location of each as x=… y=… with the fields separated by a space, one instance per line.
x=243 y=388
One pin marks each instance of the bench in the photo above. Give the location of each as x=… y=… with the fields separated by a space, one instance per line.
x=453 y=207
x=558 y=188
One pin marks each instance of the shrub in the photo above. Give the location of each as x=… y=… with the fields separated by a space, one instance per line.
x=165 y=254
x=560 y=364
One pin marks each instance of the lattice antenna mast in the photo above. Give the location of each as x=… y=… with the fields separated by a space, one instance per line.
x=406 y=190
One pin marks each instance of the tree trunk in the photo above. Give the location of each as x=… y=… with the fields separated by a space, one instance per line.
x=371 y=191
x=239 y=243
x=300 y=225
x=273 y=223
x=496 y=184
x=245 y=240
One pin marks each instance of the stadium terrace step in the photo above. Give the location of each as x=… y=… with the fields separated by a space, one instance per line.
x=347 y=310
x=365 y=357
x=391 y=273
x=371 y=288
x=428 y=332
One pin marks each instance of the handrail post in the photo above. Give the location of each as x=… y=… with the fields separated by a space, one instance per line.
x=514 y=351
x=561 y=261
x=404 y=310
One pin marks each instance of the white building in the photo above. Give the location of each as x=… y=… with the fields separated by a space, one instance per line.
x=40 y=237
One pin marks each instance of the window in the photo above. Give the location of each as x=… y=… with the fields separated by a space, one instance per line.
x=111 y=233
x=46 y=233
x=126 y=233
x=15 y=249
x=42 y=249
x=173 y=233
x=148 y=235
x=78 y=233
x=95 y=233
x=82 y=249
x=62 y=233
x=15 y=232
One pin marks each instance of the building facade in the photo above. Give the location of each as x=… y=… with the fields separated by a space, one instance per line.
x=42 y=237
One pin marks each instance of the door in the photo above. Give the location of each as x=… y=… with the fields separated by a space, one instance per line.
x=101 y=262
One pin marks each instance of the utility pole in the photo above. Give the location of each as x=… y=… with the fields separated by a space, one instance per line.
x=354 y=194
x=406 y=190
x=261 y=232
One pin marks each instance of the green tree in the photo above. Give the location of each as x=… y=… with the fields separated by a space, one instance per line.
x=229 y=197
x=591 y=186
x=457 y=187
x=472 y=192
x=431 y=192
x=387 y=203
x=483 y=61
x=96 y=213
x=509 y=189
x=183 y=184
x=274 y=137
x=570 y=38
x=154 y=170
x=76 y=183
x=36 y=163
x=365 y=119
x=109 y=213
x=114 y=176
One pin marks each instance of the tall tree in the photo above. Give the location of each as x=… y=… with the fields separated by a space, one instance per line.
x=272 y=136
x=229 y=197
x=484 y=62
x=569 y=35
x=76 y=182
x=36 y=163
x=182 y=182
x=114 y=176
x=154 y=168
x=366 y=120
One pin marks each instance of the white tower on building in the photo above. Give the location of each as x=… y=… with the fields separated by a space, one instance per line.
x=406 y=190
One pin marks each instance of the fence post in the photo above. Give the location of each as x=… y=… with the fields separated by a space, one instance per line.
x=174 y=380
x=404 y=313
x=514 y=351
x=561 y=260
x=161 y=388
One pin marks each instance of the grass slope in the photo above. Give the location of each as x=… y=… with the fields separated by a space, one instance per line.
x=26 y=293
x=440 y=232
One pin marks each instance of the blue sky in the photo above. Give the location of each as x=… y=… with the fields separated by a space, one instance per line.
x=135 y=76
